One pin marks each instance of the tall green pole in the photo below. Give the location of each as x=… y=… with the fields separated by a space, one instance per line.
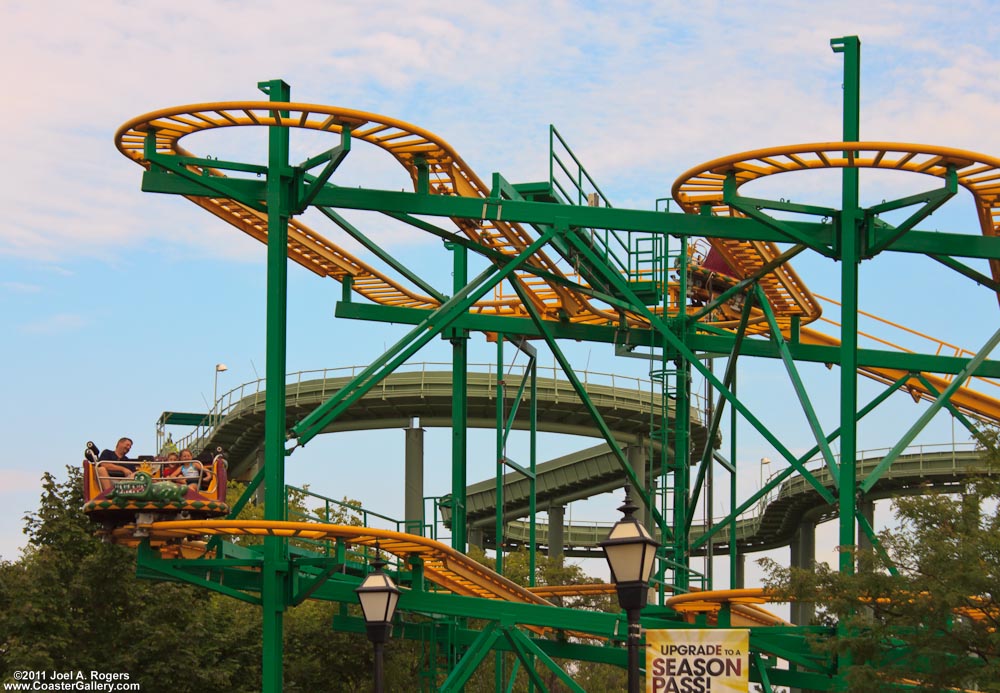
x=459 y=407
x=850 y=46
x=682 y=422
x=500 y=453
x=275 y=568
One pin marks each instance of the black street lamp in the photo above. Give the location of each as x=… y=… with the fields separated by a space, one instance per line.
x=378 y=595
x=630 y=551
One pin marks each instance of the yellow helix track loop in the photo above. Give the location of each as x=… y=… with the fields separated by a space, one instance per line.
x=449 y=175
x=701 y=185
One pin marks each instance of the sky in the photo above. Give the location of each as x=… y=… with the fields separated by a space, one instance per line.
x=116 y=305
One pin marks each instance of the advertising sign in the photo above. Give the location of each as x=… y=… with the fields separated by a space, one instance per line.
x=697 y=661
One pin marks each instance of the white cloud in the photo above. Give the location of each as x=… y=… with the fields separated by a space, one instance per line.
x=642 y=92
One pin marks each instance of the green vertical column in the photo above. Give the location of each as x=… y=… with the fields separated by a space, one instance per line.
x=459 y=408
x=532 y=463
x=733 y=422
x=499 y=669
x=850 y=46
x=682 y=421
x=501 y=421
x=682 y=414
x=275 y=571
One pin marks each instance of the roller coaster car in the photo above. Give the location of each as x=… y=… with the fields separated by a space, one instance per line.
x=148 y=496
x=710 y=275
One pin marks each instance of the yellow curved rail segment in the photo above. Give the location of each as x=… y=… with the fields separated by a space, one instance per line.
x=744 y=604
x=978 y=173
x=408 y=144
x=442 y=565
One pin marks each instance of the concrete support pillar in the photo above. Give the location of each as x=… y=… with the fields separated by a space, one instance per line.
x=741 y=570
x=258 y=464
x=866 y=509
x=414 y=478
x=636 y=455
x=557 y=530
x=476 y=537
x=803 y=550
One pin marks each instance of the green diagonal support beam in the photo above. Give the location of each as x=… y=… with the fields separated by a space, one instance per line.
x=524 y=656
x=869 y=532
x=472 y=659
x=215 y=186
x=962 y=418
x=599 y=421
x=799 y=387
x=777 y=479
x=752 y=209
x=761 y=666
x=526 y=642
x=658 y=324
x=720 y=407
x=428 y=329
x=967 y=271
x=929 y=413
x=932 y=201
x=355 y=233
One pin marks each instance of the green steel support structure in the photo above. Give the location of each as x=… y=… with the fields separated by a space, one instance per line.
x=275 y=568
x=624 y=259
x=459 y=410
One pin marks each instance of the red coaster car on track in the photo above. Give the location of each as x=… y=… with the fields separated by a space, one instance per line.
x=150 y=495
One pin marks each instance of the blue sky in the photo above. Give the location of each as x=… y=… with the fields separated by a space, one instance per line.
x=116 y=305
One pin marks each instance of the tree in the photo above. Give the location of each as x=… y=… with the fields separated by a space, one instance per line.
x=72 y=602
x=928 y=611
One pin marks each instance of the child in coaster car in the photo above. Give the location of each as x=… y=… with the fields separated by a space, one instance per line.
x=189 y=470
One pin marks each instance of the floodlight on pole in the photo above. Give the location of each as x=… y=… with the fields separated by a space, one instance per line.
x=219 y=368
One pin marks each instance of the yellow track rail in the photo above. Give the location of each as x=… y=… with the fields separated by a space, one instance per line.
x=442 y=565
x=449 y=175
x=979 y=174
x=744 y=603
x=701 y=185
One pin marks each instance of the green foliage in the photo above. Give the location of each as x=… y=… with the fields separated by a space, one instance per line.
x=73 y=602
x=936 y=620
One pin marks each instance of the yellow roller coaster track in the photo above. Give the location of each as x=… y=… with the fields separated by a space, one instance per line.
x=450 y=175
x=443 y=565
x=979 y=174
x=702 y=185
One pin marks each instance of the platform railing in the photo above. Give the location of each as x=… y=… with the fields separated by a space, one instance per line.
x=316 y=384
x=921 y=459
